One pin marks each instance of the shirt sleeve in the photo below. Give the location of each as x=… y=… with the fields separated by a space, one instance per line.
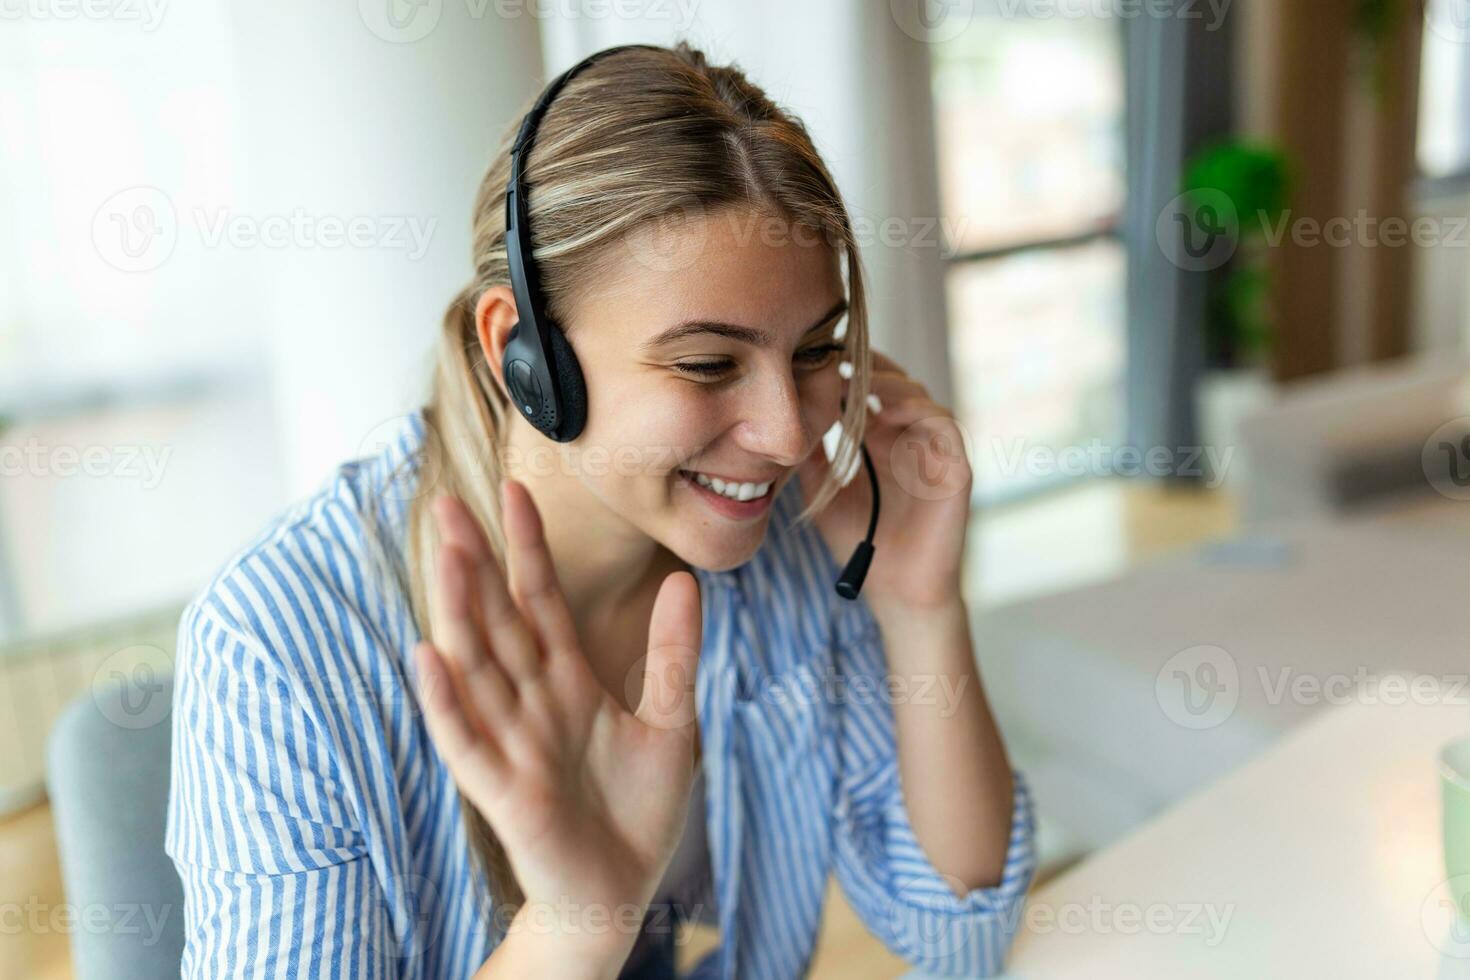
x=275 y=874
x=879 y=863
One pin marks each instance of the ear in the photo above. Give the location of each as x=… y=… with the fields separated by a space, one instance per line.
x=495 y=315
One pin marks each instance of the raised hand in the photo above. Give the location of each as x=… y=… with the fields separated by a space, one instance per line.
x=924 y=474
x=587 y=798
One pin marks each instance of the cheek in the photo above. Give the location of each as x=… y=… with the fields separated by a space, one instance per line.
x=651 y=432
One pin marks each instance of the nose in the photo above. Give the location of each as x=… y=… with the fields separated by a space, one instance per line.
x=774 y=425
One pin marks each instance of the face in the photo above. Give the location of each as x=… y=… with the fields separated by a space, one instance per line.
x=711 y=368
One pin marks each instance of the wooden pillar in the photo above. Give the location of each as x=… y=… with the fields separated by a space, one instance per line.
x=1349 y=129
x=1394 y=165
x=1313 y=46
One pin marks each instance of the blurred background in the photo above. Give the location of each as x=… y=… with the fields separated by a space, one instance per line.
x=1192 y=273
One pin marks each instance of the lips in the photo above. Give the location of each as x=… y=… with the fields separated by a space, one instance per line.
x=706 y=488
x=732 y=488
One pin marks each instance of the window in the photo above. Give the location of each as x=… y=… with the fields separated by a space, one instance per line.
x=137 y=446
x=1444 y=94
x=1029 y=113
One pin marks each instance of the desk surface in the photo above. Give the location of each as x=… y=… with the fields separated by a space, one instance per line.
x=1320 y=858
x=1315 y=599
x=1285 y=625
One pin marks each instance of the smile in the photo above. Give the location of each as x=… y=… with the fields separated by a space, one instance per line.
x=735 y=499
x=731 y=488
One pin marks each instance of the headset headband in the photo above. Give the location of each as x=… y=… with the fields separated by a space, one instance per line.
x=547 y=414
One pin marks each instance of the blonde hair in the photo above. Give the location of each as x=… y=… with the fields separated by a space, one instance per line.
x=636 y=137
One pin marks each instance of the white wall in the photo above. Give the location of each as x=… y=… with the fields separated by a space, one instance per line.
x=248 y=366
x=352 y=114
x=108 y=129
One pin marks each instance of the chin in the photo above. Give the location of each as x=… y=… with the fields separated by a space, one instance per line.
x=707 y=535
x=716 y=545
x=719 y=550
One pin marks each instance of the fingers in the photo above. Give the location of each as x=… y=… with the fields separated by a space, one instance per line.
x=889 y=385
x=533 y=584
x=902 y=400
x=895 y=387
x=917 y=410
x=512 y=641
x=675 y=635
x=882 y=362
x=479 y=681
x=471 y=756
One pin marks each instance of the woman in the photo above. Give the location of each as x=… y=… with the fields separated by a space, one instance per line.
x=494 y=705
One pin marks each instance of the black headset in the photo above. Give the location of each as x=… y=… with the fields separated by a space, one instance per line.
x=539 y=366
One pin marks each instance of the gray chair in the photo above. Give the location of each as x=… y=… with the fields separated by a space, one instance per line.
x=108 y=777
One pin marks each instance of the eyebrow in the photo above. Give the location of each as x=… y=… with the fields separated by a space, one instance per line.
x=746 y=335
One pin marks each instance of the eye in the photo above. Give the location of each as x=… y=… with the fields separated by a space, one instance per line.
x=704 y=369
x=811 y=358
x=819 y=354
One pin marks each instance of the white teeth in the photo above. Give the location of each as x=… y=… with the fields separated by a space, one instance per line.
x=735 y=491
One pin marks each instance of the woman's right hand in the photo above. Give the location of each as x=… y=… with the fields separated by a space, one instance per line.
x=587 y=798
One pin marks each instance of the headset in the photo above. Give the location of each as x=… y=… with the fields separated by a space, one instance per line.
x=539 y=366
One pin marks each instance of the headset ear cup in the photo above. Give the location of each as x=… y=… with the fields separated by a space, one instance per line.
x=573 y=386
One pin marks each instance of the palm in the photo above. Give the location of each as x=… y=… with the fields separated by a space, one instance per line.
x=597 y=798
x=585 y=796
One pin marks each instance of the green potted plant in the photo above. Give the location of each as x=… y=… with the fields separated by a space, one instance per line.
x=1250 y=180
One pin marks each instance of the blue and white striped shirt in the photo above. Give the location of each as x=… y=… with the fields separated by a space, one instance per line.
x=318 y=834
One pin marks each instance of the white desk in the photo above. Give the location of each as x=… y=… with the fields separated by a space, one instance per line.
x=1322 y=858
x=1076 y=673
